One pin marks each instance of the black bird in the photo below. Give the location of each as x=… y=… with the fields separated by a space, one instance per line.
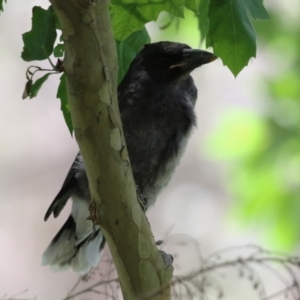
x=156 y=100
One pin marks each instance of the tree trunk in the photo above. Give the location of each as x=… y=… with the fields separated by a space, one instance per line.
x=91 y=68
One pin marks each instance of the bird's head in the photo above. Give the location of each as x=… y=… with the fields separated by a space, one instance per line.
x=171 y=62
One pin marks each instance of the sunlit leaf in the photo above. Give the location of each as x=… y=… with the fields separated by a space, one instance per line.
x=231 y=33
x=192 y=5
x=132 y=16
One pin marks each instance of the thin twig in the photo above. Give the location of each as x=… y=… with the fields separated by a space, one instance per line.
x=90 y=288
x=275 y=295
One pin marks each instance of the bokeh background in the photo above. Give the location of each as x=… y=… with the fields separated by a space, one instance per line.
x=238 y=182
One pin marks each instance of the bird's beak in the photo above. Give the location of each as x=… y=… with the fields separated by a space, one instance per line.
x=193 y=58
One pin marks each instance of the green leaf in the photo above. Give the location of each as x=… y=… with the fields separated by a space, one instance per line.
x=27 y=89
x=257 y=10
x=231 y=33
x=132 y=16
x=128 y=49
x=59 y=50
x=63 y=96
x=192 y=5
x=203 y=18
x=37 y=85
x=57 y=24
x=39 y=41
x=1 y=5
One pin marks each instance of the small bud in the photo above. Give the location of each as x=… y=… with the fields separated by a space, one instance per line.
x=27 y=89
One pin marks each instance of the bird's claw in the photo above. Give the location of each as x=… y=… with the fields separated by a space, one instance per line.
x=168 y=258
x=159 y=242
x=142 y=199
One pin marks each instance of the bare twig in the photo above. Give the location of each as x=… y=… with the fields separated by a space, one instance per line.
x=91 y=288
x=15 y=297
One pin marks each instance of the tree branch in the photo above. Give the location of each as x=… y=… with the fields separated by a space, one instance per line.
x=91 y=68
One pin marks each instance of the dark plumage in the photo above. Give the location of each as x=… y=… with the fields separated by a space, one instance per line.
x=156 y=100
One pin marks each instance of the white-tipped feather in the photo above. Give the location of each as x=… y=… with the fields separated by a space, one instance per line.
x=62 y=250
x=88 y=255
x=78 y=246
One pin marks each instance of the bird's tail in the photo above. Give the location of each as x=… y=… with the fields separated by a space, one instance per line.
x=68 y=250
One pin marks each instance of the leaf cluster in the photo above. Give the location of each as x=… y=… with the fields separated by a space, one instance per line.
x=1 y=5
x=226 y=26
x=40 y=43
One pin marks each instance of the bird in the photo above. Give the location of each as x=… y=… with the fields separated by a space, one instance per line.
x=156 y=99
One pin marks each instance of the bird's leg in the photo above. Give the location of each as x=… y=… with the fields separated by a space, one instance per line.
x=168 y=258
x=142 y=199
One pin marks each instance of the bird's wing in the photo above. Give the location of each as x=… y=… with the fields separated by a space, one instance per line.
x=65 y=192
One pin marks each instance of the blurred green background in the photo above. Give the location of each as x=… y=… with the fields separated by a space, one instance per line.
x=260 y=150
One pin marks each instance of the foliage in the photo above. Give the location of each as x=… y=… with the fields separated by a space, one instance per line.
x=233 y=42
x=38 y=43
x=263 y=151
x=231 y=33
x=1 y=5
x=128 y=48
x=62 y=95
x=130 y=16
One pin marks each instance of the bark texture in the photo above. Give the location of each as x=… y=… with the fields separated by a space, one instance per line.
x=91 y=68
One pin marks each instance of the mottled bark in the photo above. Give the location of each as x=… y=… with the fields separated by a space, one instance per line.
x=91 y=68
